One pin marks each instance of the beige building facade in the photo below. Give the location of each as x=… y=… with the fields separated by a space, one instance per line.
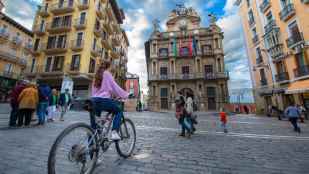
x=277 y=39
x=15 y=52
x=187 y=58
x=72 y=37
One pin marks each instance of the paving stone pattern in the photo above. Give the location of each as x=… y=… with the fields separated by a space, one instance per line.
x=253 y=145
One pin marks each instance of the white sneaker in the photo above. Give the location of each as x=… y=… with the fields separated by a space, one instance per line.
x=115 y=136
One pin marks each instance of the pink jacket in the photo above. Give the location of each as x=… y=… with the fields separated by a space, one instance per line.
x=109 y=88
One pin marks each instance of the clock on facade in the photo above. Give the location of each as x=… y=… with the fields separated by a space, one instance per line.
x=183 y=24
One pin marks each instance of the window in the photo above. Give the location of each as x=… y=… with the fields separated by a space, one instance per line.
x=154 y=90
x=8 y=68
x=75 y=62
x=42 y=25
x=61 y=43
x=51 y=42
x=32 y=65
x=36 y=44
x=163 y=52
x=94 y=44
x=48 y=64
x=82 y=18
x=248 y=3
x=56 y=22
x=254 y=32
x=185 y=70
x=92 y=65
x=164 y=92
x=269 y=17
x=163 y=70
x=84 y=2
x=211 y=91
x=66 y=21
x=206 y=48
x=285 y=3
x=97 y=24
x=258 y=53
x=263 y=76
x=154 y=48
x=251 y=17
x=280 y=67
x=79 y=39
x=294 y=32
x=58 y=63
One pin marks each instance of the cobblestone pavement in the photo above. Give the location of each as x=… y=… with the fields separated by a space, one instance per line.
x=253 y=145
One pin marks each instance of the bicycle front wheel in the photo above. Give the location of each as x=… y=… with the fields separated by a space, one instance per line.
x=126 y=145
x=74 y=151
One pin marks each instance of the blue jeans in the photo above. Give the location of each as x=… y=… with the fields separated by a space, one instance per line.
x=42 y=110
x=109 y=105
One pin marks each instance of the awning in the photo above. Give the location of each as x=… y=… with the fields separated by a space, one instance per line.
x=298 y=87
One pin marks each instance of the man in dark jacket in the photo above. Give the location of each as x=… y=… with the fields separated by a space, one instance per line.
x=20 y=86
x=44 y=95
x=64 y=101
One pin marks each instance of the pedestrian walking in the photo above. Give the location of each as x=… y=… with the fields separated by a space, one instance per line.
x=28 y=100
x=189 y=106
x=223 y=119
x=20 y=86
x=53 y=104
x=44 y=95
x=64 y=102
x=181 y=113
x=246 y=109
x=292 y=112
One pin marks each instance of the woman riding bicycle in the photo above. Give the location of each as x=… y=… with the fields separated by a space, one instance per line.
x=104 y=89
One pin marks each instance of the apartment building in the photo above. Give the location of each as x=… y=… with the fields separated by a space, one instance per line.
x=277 y=39
x=71 y=37
x=187 y=58
x=15 y=52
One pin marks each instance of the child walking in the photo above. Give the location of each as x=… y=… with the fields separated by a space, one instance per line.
x=52 y=108
x=223 y=119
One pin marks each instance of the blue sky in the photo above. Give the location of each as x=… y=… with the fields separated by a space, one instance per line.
x=138 y=24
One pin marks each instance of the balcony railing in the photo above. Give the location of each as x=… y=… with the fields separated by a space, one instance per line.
x=270 y=26
x=295 y=40
x=97 y=31
x=255 y=39
x=283 y=76
x=43 y=11
x=65 y=7
x=301 y=71
x=99 y=11
x=59 y=27
x=265 y=5
x=263 y=82
x=77 y=45
x=96 y=51
x=12 y=57
x=55 y=47
x=10 y=74
x=108 y=27
x=190 y=76
x=287 y=12
x=80 y=23
x=207 y=52
x=83 y=4
x=276 y=51
x=39 y=29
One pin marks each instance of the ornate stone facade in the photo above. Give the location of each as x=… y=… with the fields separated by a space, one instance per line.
x=188 y=58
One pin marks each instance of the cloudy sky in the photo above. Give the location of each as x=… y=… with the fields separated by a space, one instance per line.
x=138 y=24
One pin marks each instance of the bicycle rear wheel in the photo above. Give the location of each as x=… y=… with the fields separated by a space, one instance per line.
x=126 y=145
x=74 y=151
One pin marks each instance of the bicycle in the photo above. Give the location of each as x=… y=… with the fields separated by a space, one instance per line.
x=85 y=152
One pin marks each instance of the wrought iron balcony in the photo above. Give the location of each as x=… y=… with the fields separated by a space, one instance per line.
x=270 y=26
x=97 y=31
x=301 y=71
x=287 y=12
x=59 y=27
x=96 y=51
x=43 y=11
x=4 y=35
x=39 y=30
x=190 y=76
x=295 y=40
x=12 y=56
x=276 y=51
x=282 y=76
x=77 y=45
x=80 y=23
x=265 y=5
x=263 y=82
x=83 y=4
x=64 y=7
x=56 y=47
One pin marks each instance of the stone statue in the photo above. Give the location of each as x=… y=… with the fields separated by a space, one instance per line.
x=213 y=18
x=156 y=25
